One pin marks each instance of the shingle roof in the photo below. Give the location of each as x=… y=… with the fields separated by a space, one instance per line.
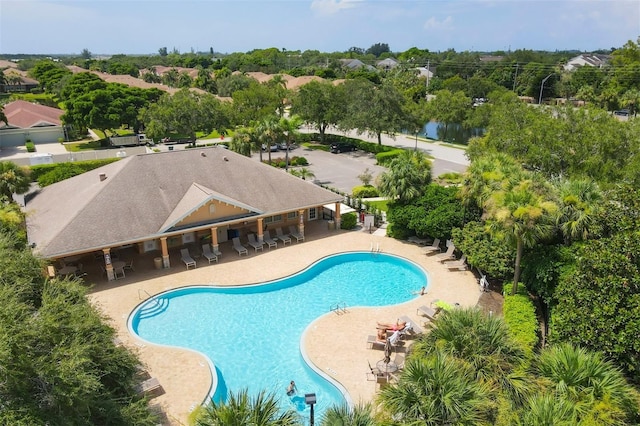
x=24 y=114
x=145 y=194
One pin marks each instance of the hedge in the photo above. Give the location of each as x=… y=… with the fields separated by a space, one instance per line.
x=384 y=158
x=81 y=166
x=520 y=317
x=31 y=147
x=348 y=221
x=367 y=191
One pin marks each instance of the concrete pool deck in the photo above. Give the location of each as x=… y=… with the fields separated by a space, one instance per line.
x=336 y=344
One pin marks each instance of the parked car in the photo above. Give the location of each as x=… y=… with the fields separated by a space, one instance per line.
x=622 y=112
x=283 y=146
x=272 y=148
x=342 y=147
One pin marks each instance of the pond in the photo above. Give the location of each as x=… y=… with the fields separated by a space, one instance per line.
x=454 y=133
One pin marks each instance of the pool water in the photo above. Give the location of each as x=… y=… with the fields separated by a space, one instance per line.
x=252 y=333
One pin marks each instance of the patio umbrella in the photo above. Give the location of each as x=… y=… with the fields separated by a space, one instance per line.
x=387 y=352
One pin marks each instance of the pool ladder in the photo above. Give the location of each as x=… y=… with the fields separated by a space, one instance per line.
x=375 y=249
x=339 y=308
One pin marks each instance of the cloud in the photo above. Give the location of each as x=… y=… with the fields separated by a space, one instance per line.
x=331 y=7
x=444 y=25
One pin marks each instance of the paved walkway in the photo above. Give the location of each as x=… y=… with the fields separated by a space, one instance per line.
x=336 y=344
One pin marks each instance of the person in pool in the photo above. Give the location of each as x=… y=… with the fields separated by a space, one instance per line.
x=292 y=388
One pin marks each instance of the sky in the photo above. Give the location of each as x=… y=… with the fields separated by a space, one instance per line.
x=144 y=26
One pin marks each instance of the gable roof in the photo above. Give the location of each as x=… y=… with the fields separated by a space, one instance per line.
x=23 y=114
x=146 y=196
x=387 y=63
x=587 y=59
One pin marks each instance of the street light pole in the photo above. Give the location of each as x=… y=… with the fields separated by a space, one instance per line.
x=542 y=87
x=310 y=399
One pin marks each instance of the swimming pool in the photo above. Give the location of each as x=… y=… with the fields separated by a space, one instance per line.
x=252 y=333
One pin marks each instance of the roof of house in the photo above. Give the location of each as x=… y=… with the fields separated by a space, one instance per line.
x=23 y=114
x=589 y=59
x=145 y=196
x=387 y=63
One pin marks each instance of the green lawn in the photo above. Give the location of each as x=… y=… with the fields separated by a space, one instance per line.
x=378 y=204
x=316 y=146
x=85 y=145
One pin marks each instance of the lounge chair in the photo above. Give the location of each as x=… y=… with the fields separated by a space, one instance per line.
x=448 y=255
x=433 y=248
x=239 y=247
x=217 y=252
x=412 y=326
x=294 y=233
x=415 y=240
x=270 y=241
x=372 y=342
x=428 y=312
x=149 y=387
x=186 y=258
x=206 y=252
x=283 y=237
x=254 y=243
x=458 y=264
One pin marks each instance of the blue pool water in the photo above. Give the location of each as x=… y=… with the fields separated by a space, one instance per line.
x=252 y=333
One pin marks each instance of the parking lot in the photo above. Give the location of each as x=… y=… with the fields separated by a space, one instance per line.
x=338 y=171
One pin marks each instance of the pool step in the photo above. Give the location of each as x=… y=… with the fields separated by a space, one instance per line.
x=153 y=307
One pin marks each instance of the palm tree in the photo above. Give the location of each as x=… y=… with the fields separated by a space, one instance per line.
x=13 y=179
x=279 y=85
x=241 y=410
x=436 y=390
x=522 y=214
x=303 y=173
x=242 y=142
x=593 y=386
x=484 y=344
x=580 y=204
x=406 y=178
x=289 y=128
x=487 y=174
x=343 y=415
x=549 y=410
x=268 y=131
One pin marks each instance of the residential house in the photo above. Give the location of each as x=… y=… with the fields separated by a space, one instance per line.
x=587 y=59
x=30 y=121
x=387 y=64
x=355 y=64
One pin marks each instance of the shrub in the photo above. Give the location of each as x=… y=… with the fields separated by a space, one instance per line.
x=520 y=317
x=348 y=221
x=384 y=158
x=31 y=147
x=299 y=161
x=366 y=191
x=79 y=166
